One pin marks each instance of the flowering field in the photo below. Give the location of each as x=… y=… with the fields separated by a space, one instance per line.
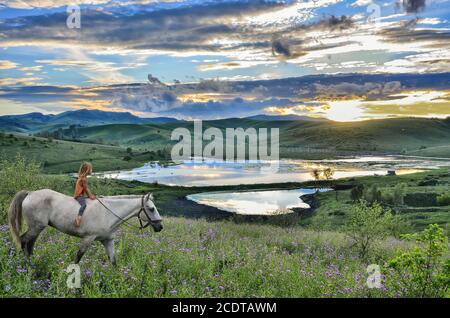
x=195 y=259
x=220 y=258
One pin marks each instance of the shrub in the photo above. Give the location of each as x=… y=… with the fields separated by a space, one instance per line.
x=421 y=199
x=367 y=223
x=443 y=199
x=373 y=195
x=398 y=194
x=22 y=175
x=357 y=193
x=428 y=182
x=425 y=270
x=127 y=158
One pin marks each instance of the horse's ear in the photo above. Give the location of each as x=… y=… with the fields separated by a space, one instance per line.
x=150 y=196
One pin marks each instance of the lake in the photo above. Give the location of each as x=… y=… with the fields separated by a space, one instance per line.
x=254 y=202
x=215 y=173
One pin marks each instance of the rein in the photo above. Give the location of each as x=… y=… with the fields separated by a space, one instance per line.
x=125 y=221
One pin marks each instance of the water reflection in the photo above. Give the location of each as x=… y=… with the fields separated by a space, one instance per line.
x=211 y=173
x=254 y=202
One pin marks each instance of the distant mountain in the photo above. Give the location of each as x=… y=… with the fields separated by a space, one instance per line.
x=33 y=122
x=284 y=117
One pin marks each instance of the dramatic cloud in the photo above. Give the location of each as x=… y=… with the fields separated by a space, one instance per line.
x=318 y=96
x=221 y=57
x=367 y=90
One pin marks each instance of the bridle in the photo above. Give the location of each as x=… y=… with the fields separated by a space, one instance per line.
x=142 y=209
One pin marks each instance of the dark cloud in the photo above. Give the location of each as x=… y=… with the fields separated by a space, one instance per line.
x=368 y=90
x=413 y=6
x=404 y=32
x=183 y=28
x=290 y=43
x=281 y=46
x=232 y=99
x=334 y=23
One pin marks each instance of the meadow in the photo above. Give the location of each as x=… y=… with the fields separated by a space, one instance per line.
x=60 y=156
x=205 y=257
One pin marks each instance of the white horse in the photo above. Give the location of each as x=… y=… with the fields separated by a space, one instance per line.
x=100 y=220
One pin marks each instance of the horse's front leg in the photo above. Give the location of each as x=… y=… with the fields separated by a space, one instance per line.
x=109 y=247
x=85 y=243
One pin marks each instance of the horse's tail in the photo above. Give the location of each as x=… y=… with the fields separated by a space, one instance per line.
x=15 y=216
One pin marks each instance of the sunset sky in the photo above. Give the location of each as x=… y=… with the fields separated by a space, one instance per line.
x=216 y=59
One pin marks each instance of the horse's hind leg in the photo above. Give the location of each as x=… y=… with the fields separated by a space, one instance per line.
x=28 y=239
x=85 y=243
x=109 y=247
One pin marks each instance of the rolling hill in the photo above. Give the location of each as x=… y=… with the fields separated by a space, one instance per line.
x=299 y=138
x=60 y=156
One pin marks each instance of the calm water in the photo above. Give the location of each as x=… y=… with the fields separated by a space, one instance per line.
x=255 y=202
x=209 y=173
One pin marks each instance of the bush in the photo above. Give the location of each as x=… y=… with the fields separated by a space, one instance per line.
x=443 y=199
x=398 y=194
x=425 y=270
x=357 y=193
x=127 y=158
x=428 y=182
x=421 y=199
x=368 y=223
x=22 y=175
x=373 y=195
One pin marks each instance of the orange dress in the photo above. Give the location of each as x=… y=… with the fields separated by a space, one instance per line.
x=80 y=187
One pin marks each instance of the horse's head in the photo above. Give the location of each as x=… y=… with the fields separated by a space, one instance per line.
x=151 y=214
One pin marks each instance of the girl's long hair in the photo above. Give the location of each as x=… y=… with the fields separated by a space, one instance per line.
x=85 y=169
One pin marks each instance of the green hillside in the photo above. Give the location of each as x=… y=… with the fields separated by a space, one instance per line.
x=59 y=156
x=300 y=138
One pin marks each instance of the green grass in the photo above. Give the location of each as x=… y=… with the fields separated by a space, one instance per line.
x=58 y=156
x=334 y=212
x=304 y=139
x=197 y=259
